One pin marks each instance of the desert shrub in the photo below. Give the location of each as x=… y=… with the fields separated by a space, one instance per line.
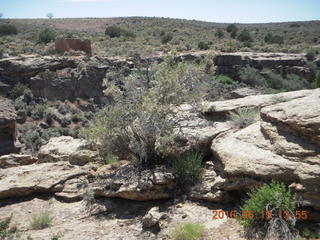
x=312 y=66
x=273 y=39
x=41 y=220
x=63 y=108
x=219 y=33
x=76 y=117
x=48 y=117
x=187 y=167
x=232 y=28
x=204 y=45
x=31 y=138
x=65 y=122
x=269 y=199
x=295 y=25
x=188 y=231
x=311 y=54
x=115 y=32
x=140 y=120
x=111 y=159
x=57 y=236
x=167 y=37
x=243 y=117
x=224 y=79
x=316 y=82
x=39 y=111
x=46 y=35
x=245 y=36
x=7 y=232
x=290 y=83
x=251 y=76
x=17 y=90
x=8 y=29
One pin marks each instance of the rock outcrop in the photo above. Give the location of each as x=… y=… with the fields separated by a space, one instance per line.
x=83 y=77
x=37 y=178
x=128 y=183
x=230 y=63
x=66 y=148
x=283 y=145
x=14 y=160
x=7 y=127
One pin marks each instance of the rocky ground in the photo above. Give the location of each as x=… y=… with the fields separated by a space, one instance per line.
x=91 y=200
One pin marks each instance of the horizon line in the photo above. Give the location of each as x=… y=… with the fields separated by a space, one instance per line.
x=59 y=18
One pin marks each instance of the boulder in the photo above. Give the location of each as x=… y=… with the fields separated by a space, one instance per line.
x=66 y=148
x=14 y=160
x=152 y=217
x=284 y=145
x=129 y=183
x=37 y=178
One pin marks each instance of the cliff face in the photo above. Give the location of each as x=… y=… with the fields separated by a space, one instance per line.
x=230 y=63
x=83 y=76
x=7 y=126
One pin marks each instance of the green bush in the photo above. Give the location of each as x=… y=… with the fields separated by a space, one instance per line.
x=41 y=220
x=244 y=117
x=139 y=123
x=251 y=76
x=272 y=207
x=245 y=36
x=187 y=168
x=48 y=117
x=219 y=33
x=111 y=159
x=188 y=231
x=8 y=29
x=31 y=138
x=7 y=232
x=115 y=32
x=46 y=35
x=224 y=79
x=316 y=82
x=292 y=82
x=232 y=28
x=204 y=45
x=311 y=54
x=167 y=37
x=273 y=39
x=17 y=90
x=39 y=111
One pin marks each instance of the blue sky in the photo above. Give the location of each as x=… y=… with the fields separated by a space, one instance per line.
x=245 y=11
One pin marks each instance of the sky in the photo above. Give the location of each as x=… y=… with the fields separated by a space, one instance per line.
x=227 y=11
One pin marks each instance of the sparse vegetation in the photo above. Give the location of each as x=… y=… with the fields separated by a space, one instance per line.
x=115 y=32
x=244 y=117
x=8 y=29
x=187 y=167
x=41 y=220
x=8 y=232
x=46 y=35
x=111 y=159
x=188 y=231
x=141 y=120
x=270 y=199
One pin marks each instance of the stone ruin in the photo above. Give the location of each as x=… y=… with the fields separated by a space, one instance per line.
x=65 y=44
x=7 y=127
